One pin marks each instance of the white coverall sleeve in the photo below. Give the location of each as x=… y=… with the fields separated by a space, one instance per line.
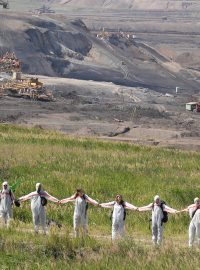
x=51 y=198
x=191 y=208
x=169 y=209
x=146 y=208
x=107 y=205
x=130 y=206
x=70 y=199
x=26 y=197
x=90 y=200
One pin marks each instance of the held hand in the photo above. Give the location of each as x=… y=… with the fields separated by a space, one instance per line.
x=181 y=211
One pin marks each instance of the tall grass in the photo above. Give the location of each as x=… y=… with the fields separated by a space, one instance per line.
x=62 y=252
x=103 y=169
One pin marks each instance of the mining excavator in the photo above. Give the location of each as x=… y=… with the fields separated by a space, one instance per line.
x=9 y=62
x=29 y=88
x=16 y=86
x=5 y=4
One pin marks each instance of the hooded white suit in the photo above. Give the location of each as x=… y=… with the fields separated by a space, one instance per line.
x=80 y=218
x=157 y=216
x=118 y=218
x=194 y=227
x=38 y=210
x=6 y=202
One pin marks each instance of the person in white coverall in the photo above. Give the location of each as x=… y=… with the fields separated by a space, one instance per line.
x=38 y=210
x=118 y=215
x=194 y=227
x=80 y=219
x=157 y=218
x=6 y=201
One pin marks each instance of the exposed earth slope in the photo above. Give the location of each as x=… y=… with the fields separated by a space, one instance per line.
x=120 y=73
x=55 y=46
x=134 y=4
x=109 y=4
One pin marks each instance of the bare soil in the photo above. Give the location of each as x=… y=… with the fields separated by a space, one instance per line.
x=105 y=86
x=100 y=109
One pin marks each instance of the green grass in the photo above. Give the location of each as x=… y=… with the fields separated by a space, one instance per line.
x=103 y=169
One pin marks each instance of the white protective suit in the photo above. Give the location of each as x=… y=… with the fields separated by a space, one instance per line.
x=6 y=201
x=118 y=219
x=80 y=218
x=194 y=227
x=38 y=211
x=157 y=216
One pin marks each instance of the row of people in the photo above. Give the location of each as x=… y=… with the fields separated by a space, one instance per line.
x=80 y=219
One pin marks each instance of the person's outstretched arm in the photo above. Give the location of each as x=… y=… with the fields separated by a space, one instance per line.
x=69 y=199
x=169 y=209
x=27 y=197
x=107 y=205
x=130 y=206
x=90 y=200
x=50 y=198
x=146 y=208
x=189 y=208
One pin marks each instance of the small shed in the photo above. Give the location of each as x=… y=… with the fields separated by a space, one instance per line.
x=191 y=106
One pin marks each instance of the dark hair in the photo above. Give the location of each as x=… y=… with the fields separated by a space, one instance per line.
x=122 y=201
x=79 y=190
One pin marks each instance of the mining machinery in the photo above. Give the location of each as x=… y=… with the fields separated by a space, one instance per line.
x=5 y=4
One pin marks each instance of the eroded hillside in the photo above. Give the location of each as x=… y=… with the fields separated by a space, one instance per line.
x=54 y=45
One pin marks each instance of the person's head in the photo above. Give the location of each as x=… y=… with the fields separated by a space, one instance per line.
x=79 y=192
x=197 y=201
x=118 y=198
x=38 y=187
x=5 y=185
x=157 y=199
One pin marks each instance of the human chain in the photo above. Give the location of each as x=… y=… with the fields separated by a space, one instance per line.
x=39 y=199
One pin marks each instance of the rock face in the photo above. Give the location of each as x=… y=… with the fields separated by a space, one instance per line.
x=43 y=46
x=58 y=42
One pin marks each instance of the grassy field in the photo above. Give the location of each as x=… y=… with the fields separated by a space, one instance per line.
x=103 y=169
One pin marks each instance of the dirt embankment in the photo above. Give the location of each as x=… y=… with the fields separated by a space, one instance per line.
x=52 y=45
x=133 y=4
x=43 y=46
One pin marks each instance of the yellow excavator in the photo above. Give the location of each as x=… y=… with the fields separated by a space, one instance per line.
x=5 y=4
